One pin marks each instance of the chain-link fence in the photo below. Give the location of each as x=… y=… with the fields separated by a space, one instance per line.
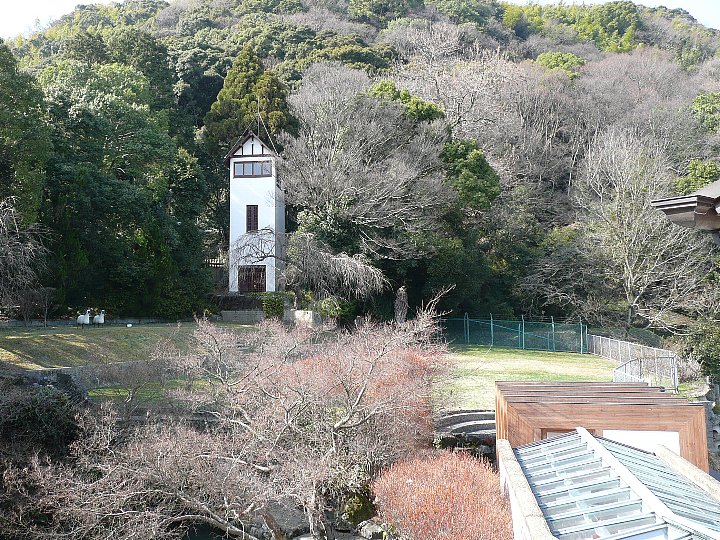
x=517 y=334
x=637 y=363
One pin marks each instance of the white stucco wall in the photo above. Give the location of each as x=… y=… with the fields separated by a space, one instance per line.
x=263 y=192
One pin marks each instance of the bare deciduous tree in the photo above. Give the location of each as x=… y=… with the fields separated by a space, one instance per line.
x=470 y=91
x=654 y=267
x=21 y=254
x=361 y=161
x=309 y=264
x=313 y=266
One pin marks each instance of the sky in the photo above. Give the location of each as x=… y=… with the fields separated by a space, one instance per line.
x=21 y=15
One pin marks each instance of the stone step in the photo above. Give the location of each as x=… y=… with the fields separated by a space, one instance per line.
x=466 y=426
x=458 y=417
x=470 y=427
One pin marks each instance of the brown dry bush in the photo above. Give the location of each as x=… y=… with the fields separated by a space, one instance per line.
x=444 y=496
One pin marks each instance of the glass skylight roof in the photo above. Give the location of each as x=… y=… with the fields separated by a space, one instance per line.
x=584 y=494
x=682 y=497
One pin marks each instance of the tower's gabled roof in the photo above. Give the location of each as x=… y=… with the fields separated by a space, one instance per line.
x=241 y=141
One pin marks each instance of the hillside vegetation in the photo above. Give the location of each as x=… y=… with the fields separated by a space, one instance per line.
x=511 y=151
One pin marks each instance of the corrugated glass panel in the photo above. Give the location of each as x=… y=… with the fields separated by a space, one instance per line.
x=570 y=468
x=545 y=479
x=608 y=512
x=593 y=499
x=607 y=527
x=680 y=496
x=584 y=498
x=590 y=477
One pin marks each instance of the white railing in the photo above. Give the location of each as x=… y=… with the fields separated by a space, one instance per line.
x=637 y=363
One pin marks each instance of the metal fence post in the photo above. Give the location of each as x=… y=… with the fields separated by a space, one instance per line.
x=552 y=320
x=466 y=328
x=492 y=332
x=523 y=330
x=520 y=336
x=581 y=337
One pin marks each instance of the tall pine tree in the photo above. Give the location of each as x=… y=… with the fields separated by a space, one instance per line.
x=248 y=89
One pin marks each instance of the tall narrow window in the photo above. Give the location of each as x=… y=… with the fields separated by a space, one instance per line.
x=251 y=218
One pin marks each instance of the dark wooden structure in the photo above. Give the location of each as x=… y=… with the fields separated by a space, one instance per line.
x=531 y=411
x=698 y=210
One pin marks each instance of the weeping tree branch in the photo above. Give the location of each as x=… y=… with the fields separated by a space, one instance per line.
x=312 y=265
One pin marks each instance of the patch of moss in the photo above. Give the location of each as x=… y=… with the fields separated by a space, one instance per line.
x=359 y=507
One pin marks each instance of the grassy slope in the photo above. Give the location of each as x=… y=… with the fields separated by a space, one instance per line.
x=471 y=384
x=68 y=346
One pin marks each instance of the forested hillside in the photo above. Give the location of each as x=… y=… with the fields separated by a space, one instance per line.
x=511 y=151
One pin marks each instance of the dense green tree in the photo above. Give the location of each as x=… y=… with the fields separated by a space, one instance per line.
x=516 y=18
x=122 y=200
x=353 y=53
x=200 y=74
x=379 y=12
x=566 y=62
x=248 y=91
x=700 y=173
x=706 y=108
x=269 y=6
x=464 y=11
x=86 y=47
x=417 y=109
x=24 y=140
x=475 y=181
x=141 y=50
x=611 y=26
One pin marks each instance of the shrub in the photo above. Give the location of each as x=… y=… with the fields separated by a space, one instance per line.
x=38 y=418
x=359 y=507
x=273 y=305
x=444 y=496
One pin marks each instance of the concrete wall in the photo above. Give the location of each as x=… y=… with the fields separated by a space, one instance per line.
x=303 y=317
x=245 y=316
x=527 y=518
x=291 y=316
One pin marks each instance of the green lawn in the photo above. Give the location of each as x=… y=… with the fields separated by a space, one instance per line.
x=471 y=384
x=37 y=348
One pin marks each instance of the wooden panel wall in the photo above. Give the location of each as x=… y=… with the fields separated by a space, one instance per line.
x=525 y=411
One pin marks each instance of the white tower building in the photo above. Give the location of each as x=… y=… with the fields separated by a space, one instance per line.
x=257 y=217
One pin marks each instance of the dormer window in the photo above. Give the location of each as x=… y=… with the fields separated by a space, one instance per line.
x=250 y=169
